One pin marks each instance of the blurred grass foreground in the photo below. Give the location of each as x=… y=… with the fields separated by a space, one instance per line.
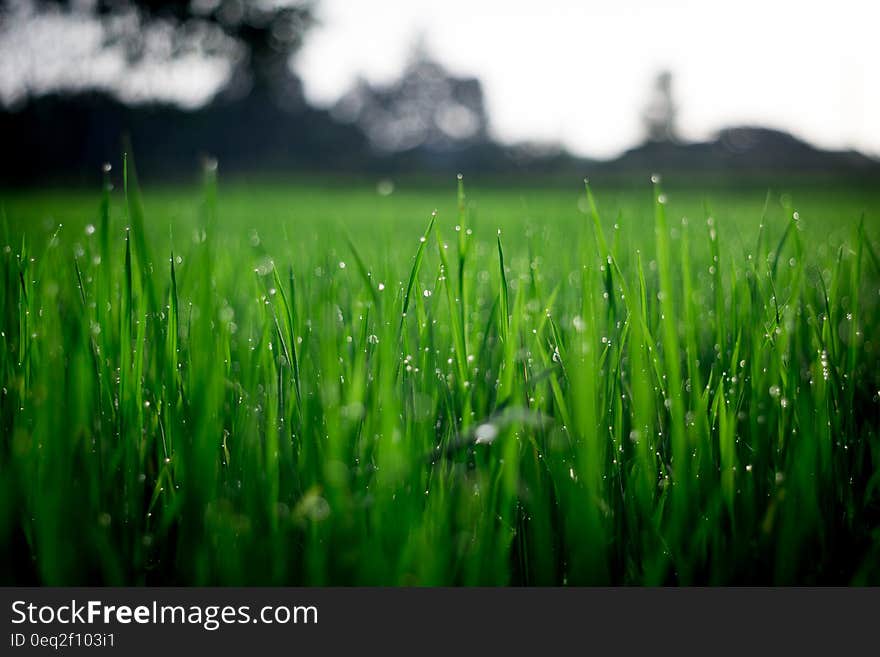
x=319 y=384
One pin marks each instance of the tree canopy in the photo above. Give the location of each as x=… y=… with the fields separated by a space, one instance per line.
x=258 y=36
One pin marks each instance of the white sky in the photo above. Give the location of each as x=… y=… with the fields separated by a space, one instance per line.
x=579 y=71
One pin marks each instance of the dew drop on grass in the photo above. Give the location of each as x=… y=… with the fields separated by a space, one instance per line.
x=264 y=266
x=385 y=187
x=485 y=433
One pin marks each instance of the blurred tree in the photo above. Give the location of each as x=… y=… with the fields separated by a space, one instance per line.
x=660 y=114
x=181 y=79
x=426 y=107
x=259 y=36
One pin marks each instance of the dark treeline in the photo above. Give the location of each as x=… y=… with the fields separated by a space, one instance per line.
x=70 y=136
x=67 y=137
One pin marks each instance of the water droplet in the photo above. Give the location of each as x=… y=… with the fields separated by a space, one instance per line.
x=385 y=187
x=485 y=433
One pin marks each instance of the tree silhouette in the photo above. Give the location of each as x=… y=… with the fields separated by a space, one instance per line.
x=259 y=36
x=427 y=106
x=660 y=114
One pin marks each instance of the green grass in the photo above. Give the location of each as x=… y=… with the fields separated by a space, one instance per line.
x=309 y=383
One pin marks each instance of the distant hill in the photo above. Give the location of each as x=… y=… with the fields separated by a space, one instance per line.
x=742 y=149
x=734 y=151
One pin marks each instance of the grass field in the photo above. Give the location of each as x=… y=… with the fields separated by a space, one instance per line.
x=313 y=383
